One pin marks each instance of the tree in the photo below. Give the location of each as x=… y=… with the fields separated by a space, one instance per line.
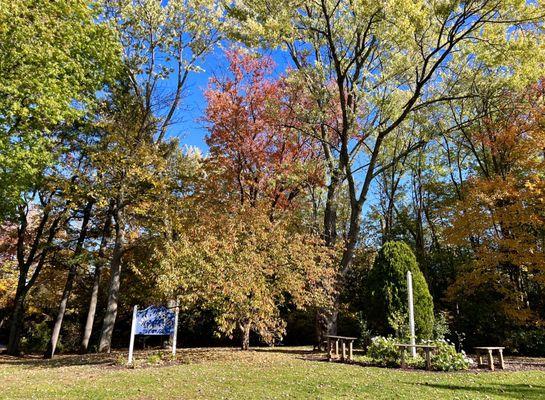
x=246 y=268
x=253 y=141
x=241 y=252
x=387 y=290
x=387 y=61
x=45 y=79
x=159 y=41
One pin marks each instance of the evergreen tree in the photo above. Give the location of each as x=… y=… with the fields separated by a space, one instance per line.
x=387 y=310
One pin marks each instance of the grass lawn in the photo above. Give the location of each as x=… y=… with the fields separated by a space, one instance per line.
x=291 y=373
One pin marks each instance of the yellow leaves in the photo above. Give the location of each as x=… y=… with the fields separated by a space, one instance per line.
x=245 y=267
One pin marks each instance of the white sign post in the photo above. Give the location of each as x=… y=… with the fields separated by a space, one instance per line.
x=411 y=311
x=175 y=334
x=133 y=329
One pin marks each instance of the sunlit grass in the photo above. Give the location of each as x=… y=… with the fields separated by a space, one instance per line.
x=260 y=374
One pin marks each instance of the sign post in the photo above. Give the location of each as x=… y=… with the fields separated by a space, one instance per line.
x=175 y=333
x=133 y=329
x=411 y=311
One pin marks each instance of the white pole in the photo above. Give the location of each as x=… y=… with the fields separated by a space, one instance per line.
x=411 y=311
x=133 y=329
x=175 y=334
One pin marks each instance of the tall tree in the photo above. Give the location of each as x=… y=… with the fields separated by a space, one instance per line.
x=499 y=216
x=47 y=81
x=254 y=141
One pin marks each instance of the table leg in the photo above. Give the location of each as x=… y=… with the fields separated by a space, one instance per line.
x=490 y=361
x=337 y=348
x=502 y=365
x=480 y=355
x=350 y=355
x=403 y=357
x=428 y=359
x=343 y=344
x=329 y=349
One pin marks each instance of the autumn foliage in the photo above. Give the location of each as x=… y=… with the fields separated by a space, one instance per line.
x=254 y=141
x=500 y=217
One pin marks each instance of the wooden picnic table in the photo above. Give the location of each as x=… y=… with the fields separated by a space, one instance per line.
x=428 y=348
x=490 y=350
x=333 y=341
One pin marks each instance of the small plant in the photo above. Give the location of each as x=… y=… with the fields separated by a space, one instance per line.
x=440 y=326
x=365 y=336
x=384 y=351
x=155 y=358
x=121 y=360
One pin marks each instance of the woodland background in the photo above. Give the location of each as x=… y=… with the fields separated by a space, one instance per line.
x=397 y=121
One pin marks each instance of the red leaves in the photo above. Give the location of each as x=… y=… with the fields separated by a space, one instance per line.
x=254 y=137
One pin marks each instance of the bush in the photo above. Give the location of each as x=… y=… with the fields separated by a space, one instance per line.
x=383 y=351
x=387 y=293
x=445 y=357
x=530 y=342
x=37 y=338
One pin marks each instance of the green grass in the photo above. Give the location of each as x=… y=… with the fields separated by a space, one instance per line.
x=262 y=374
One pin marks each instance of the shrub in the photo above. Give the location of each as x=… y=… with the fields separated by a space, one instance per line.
x=530 y=342
x=383 y=351
x=387 y=293
x=37 y=338
x=445 y=357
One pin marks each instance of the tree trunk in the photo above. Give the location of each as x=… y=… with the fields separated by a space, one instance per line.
x=113 y=291
x=245 y=331
x=69 y=283
x=90 y=320
x=330 y=213
x=16 y=323
x=323 y=315
x=24 y=283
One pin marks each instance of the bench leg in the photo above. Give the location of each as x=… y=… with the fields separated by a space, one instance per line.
x=403 y=357
x=480 y=362
x=490 y=361
x=502 y=365
x=350 y=355
x=428 y=359
x=337 y=348
x=329 y=349
x=343 y=356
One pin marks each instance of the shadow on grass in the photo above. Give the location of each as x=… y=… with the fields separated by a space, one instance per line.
x=506 y=390
x=284 y=350
x=59 y=361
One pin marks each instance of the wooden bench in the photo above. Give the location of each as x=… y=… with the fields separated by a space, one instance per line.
x=489 y=351
x=427 y=351
x=333 y=342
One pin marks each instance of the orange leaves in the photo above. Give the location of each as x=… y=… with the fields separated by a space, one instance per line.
x=500 y=217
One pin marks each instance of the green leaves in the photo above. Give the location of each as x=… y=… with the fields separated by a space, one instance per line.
x=55 y=56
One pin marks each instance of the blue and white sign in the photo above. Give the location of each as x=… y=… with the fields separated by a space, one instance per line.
x=155 y=321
